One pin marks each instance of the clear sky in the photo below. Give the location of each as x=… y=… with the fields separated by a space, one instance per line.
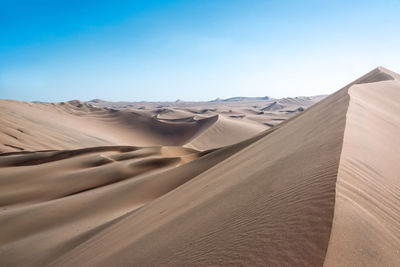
x=57 y=50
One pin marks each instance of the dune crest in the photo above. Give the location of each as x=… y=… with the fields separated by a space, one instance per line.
x=320 y=188
x=366 y=225
x=76 y=124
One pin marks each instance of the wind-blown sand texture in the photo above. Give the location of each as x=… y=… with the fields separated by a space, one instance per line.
x=199 y=125
x=321 y=188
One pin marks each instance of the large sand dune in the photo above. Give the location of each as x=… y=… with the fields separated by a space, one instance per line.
x=199 y=125
x=189 y=185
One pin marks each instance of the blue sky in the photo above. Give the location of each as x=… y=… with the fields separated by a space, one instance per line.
x=191 y=50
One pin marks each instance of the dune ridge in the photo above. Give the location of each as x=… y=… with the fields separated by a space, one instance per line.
x=75 y=124
x=367 y=215
x=320 y=188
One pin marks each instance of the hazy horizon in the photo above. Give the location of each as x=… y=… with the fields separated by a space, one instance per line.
x=177 y=100
x=190 y=50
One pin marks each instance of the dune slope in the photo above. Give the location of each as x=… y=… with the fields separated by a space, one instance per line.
x=270 y=203
x=366 y=225
x=75 y=124
x=321 y=188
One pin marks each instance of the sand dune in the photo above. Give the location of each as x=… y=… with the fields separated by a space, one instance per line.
x=75 y=124
x=366 y=225
x=211 y=187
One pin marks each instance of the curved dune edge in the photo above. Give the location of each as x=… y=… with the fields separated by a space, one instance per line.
x=34 y=126
x=105 y=184
x=366 y=222
x=26 y=126
x=232 y=213
x=223 y=132
x=318 y=189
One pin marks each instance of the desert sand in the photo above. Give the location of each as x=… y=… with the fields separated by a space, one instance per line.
x=199 y=125
x=242 y=181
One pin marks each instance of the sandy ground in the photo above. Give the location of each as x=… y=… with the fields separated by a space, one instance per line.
x=199 y=125
x=199 y=184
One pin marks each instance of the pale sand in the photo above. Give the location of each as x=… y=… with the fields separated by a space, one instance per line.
x=321 y=188
x=366 y=225
x=200 y=125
